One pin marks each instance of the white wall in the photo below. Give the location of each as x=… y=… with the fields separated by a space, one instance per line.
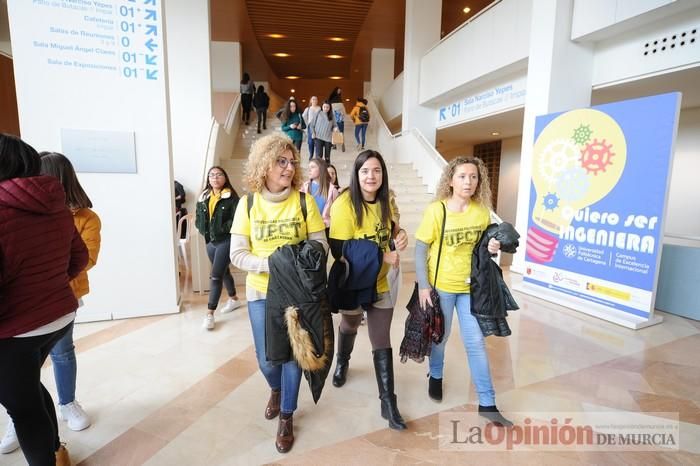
x=190 y=106
x=226 y=66
x=391 y=100
x=497 y=39
x=381 y=71
x=136 y=271
x=683 y=216
x=508 y=186
x=629 y=48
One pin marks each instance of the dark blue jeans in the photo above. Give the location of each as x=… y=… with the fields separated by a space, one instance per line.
x=360 y=131
x=218 y=252
x=310 y=142
x=65 y=369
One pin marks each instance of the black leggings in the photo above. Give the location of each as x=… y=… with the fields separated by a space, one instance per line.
x=247 y=104
x=262 y=117
x=218 y=252
x=378 y=326
x=322 y=149
x=25 y=398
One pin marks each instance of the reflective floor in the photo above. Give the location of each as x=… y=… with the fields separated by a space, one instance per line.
x=162 y=391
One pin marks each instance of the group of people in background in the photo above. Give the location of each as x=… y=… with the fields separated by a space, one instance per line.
x=49 y=238
x=354 y=225
x=253 y=97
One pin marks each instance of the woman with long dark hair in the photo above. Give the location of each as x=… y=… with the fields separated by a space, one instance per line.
x=41 y=252
x=333 y=173
x=261 y=102
x=320 y=187
x=215 y=210
x=293 y=124
x=247 y=92
x=322 y=127
x=363 y=211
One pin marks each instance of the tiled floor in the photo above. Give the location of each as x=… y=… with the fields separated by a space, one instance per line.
x=161 y=391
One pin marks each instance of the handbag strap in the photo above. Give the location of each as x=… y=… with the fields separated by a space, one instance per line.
x=442 y=236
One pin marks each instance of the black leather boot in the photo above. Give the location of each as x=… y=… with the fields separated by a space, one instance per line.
x=435 y=389
x=384 y=369
x=494 y=415
x=346 y=341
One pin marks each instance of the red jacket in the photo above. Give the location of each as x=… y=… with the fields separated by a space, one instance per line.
x=40 y=251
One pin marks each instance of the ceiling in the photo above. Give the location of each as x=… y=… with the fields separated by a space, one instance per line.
x=507 y=124
x=307 y=26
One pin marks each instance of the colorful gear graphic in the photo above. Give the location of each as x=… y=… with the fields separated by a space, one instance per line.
x=582 y=134
x=596 y=156
x=572 y=184
x=556 y=157
x=550 y=201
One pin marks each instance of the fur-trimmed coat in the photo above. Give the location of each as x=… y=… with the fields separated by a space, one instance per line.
x=298 y=324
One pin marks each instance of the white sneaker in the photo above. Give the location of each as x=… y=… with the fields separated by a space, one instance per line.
x=230 y=305
x=209 y=322
x=73 y=414
x=9 y=442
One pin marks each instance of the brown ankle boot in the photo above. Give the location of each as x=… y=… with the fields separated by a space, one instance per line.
x=273 y=404
x=285 y=435
x=62 y=457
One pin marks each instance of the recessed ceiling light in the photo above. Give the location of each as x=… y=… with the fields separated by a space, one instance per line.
x=303 y=100
x=281 y=54
x=293 y=91
x=335 y=77
x=276 y=36
x=336 y=39
x=347 y=100
x=495 y=133
x=292 y=77
x=334 y=56
x=466 y=9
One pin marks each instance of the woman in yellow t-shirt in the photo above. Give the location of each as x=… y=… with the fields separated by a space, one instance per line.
x=363 y=212
x=464 y=192
x=274 y=219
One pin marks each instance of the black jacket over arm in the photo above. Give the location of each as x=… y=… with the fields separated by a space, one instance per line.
x=490 y=297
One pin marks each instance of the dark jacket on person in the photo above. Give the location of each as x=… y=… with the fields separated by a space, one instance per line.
x=352 y=281
x=217 y=228
x=295 y=134
x=261 y=101
x=298 y=323
x=490 y=297
x=40 y=252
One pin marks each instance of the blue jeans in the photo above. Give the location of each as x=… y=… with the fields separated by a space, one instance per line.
x=287 y=376
x=65 y=369
x=310 y=142
x=473 y=341
x=360 y=132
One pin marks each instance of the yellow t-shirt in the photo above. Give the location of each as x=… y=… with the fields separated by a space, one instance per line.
x=272 y=225
x=462 y=232
x=214 y=199
x=344 y=227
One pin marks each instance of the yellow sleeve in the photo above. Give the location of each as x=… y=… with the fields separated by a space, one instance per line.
x=342 y=218
x=241 y=222
x=429 y=228
x=92 y=239
x=314 y=221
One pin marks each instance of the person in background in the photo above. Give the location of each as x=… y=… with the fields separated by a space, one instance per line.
x=273 y=176
x=180 y=210
x=360 y=116
x=336 y=100
x=464 y=195
x=322 y=127
x=261 y=102
x=247 y=91
x=309 y=114
x=41 y=252
x=333 y=173
x=215 y=210
x=320 y=187
x=293 y=124
x=363 y=212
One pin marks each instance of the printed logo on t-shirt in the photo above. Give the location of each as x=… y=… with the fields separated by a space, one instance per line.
x=455 y=237
x=272 y=230
x=380 y=236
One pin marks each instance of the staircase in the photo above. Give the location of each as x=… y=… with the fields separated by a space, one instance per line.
x=411 y=195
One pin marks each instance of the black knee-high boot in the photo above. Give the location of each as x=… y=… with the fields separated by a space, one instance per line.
x=346 y=341
x=384 y=369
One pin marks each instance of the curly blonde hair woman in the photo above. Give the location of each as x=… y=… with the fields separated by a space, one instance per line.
x=482 y=194
x=456 y=220
x=273 y=177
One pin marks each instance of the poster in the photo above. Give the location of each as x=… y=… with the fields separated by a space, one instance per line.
x=600 y=180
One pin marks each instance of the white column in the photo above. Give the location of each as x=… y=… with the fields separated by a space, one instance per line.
x=226 y=66
x=190 y=86
x=99 y=94
x=423 y=19
x=558 y=78
x=381 y=71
